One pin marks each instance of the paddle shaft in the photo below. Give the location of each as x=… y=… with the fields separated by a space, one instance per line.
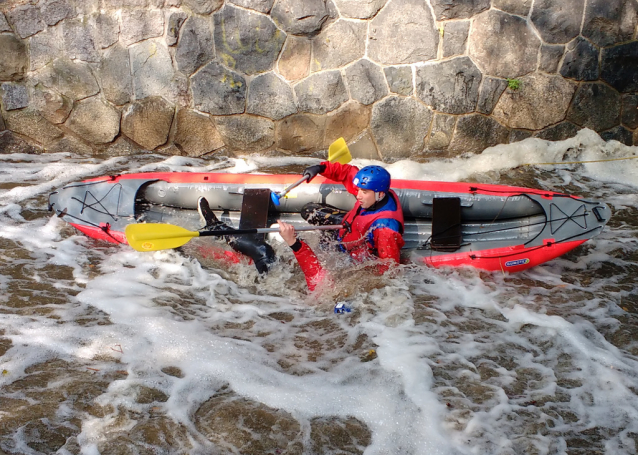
x=266 y=230
x=291 y=187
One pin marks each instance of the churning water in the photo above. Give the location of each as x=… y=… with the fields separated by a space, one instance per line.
x=104 y=350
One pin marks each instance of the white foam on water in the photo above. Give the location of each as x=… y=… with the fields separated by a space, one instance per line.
x=467 y=362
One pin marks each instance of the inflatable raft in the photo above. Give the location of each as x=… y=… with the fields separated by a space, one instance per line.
x=490 y=227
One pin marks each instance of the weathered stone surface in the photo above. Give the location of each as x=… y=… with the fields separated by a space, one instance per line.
x=550 y=57
x=122 y=147
x=450 y=86
x=114 y=73
x=44 y=47
x=403 y=32
x=138 y=25
x=441 y=132
x=2 y=126
x=30 y=123
x=147 y=122
x=560 y=132
x=399 y=126
x=455 y=38
x=294 y=63
x=629 y=116
x=107 y=29
x=475 y=132
x=619 y=67
x=458 y=9
x=595 y=106
x=399 y=79
x=14 y=96
x=540 y=101
x=195 y=133
x=218 y=91
x=518 y=7
x=12 y=143
x=4 y=25
x=79 y=41
x=339 y=44
x=175 y=22
x=359 y=9
x=300 y=17
x=246 y=132
x=152 y=69
x=619 y=133
x=347 y=122
x=263 y=6
x=53 y=106
x=247 y=41
x=581 y=61
x=85 y=7
x=53 y=11
x=321 y=92
x=366 y=82
x=27 y=20
x=179 y=92
x=489 y=94
x=301 y=133
x=270 y=97
x=364 y=148
x=203 y=6
x=94 y=121
x=13 y=57
x=609 y=22
x=71 y=144
x=519 y=135
x=117 y=4
x=72 y=79
x=558 y=21
x=196 y=46
x=503 y=45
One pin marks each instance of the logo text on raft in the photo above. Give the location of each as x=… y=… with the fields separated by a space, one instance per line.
x=517 y=262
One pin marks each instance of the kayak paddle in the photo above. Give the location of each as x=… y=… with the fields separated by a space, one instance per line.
x=158 y=236
x=337 y=152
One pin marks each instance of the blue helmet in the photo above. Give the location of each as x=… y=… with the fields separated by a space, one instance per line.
x=373 y=178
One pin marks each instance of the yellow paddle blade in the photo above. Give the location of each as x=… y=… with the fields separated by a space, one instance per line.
x=339 y=152
x=157 y=236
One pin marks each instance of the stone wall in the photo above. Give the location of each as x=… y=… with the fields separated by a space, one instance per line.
x=397 y=78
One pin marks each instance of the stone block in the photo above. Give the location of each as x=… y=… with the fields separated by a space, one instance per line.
x=71 y=144
x=123 y=147
x=550 y=57
x=540 y=101
x=14 y=96
x=13 y=58
x=620 y=134
x=503 y=45
x=195 y=47
x=399 y=79
x=518 y=7
x=366 y=82
x=148 y=122
x=204 y=7
x=44 y=47
x=364 y=148
x=218 y=91
x=263 y=6
x=27 y=20
x=619 y=67
x=581 y=61
x=347 y=122
x=399 y=126
x=321 y=92
x=114 y=73
x=30 y=123
x=519 y=135
x=441 y=132
x=403 y=32
x=455 y=36
x=246 y=133
x=54 y=11
x=451 y=86
x=175 y=22
x=359 y=9
x=489 y=94
x=195 y=133
x=12 y=143
x=152 y=69
x=79 y=41
x=246 y=41
x=476 y=132
x=139 y=25
x=4 y=25
x=74 y=80
x=610 y=22
x=458 y=9
x=300 y=17
x=339 y=44
x=53 y=106
x=595 y=106
x=270 y=97
x=94 y=121
x=557 y=21
x=301 y=133
x=560 y=132
x=294 y=63
x=629 y=116
x=107 y=29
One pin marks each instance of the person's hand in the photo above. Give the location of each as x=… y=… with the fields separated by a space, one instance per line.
x=312 y=171
x=287 y=232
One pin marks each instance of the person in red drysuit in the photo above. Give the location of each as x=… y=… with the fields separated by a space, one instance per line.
x=373 y=227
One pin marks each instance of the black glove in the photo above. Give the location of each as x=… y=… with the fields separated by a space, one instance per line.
x=312 y=171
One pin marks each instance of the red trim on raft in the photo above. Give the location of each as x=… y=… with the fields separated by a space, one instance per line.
x=101 y=233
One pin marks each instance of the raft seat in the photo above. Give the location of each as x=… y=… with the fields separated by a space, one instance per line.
x=446 y=224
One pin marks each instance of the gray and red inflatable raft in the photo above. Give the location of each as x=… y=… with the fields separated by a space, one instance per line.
x=490 y=227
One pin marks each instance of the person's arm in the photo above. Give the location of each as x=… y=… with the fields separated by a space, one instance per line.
x=388 y=244
x=307 y=259
x=343 y=173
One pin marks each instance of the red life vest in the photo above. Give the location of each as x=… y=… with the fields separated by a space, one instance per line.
x=355 y=237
